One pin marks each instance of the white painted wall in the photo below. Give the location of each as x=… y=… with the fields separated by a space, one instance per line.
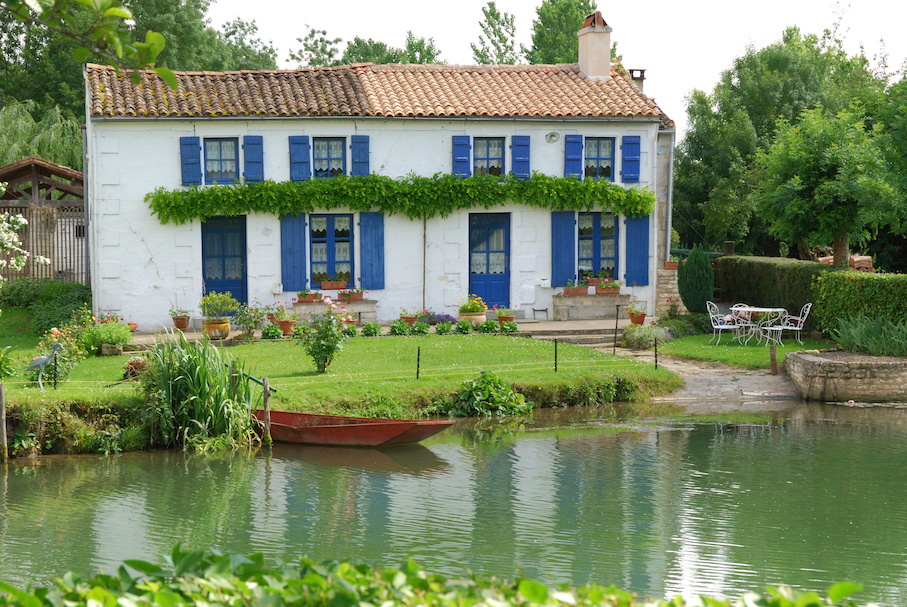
x=140 y=267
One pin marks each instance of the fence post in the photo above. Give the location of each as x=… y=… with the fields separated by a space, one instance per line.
x=555 y=356
x=616 y=326
x=4 y=453
x=418 y=360
x=771 y=353
x=267 y=409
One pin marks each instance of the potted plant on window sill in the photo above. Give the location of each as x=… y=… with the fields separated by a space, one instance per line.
x=351 y=295
x=579 y=287
x=637 y=312
x=180 y=318
x=217 y=308
x=608 y=287
x=473 y=309
x=333 y=282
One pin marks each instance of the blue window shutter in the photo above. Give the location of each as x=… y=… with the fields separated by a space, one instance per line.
x=191 y=160
x=371 y=250
x=519 y=156
x=563 y=247
x=573 y=156
x=637 y=274
x=359 y=146
x=461 y=164
x=253 y=158
x=293 y=252
x=300 y=158
x=629 y=164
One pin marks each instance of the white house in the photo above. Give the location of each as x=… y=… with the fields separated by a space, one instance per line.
x=589 y=120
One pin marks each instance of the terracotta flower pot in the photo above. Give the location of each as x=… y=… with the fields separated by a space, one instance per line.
x=638 y=319
x=350 y=296
x=310 y=298
x=576 y=291
x=506 y=318
x=132 y=326
x=181 y=322
x=408 y=319
x=670 y=265
x=286 y=326
x=329 y=285
x=593 y=281
x=216 y=329
x=476 y=318
x=607 y=290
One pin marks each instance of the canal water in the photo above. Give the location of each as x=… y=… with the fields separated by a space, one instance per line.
x=656 y=507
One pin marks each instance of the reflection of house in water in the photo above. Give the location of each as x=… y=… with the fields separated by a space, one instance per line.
x=51 y=198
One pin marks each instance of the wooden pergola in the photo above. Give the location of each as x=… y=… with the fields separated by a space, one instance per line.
x=52 y=199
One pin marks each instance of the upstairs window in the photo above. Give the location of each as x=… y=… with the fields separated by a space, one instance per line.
x=599 y=158
x=488 y=156
x=221 y=160
x=328 y=156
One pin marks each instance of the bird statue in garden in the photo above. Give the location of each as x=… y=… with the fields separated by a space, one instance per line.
x=40 y=361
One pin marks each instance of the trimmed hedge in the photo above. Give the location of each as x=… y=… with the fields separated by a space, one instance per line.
x=776 y=282
x=850 y=293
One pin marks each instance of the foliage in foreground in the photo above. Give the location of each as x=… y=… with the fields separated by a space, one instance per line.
x=877 y=336
x=211 y=578
x=196 y=394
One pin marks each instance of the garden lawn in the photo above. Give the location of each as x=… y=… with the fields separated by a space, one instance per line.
x=751 y=356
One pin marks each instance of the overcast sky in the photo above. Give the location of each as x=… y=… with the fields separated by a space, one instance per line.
x=681 y=45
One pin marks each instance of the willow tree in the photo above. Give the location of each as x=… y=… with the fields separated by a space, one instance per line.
x=54 y=137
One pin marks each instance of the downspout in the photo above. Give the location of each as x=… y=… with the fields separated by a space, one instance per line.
x=424 y=256
x=670 y=225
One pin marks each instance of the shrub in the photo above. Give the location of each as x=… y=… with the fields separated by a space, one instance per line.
x=488 y=395
x=509 y=327
x=640 y=337
x=371 y=329
x=849 y=293
x=197 y=395
x=685 y=324
x=420 y=328
x=248 y=318
x=105 y=333
x=20 y=293
x=696 y=281
x=463 y=327
x=444 y=328
x=218 y=306
x=489 y=326
x=55 y=304
x=877 y=336
x=273 y=332
x=399 y=327
x=350 y=331
x=325 y=336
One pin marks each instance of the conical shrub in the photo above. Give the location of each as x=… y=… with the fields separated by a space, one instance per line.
x=696 y=281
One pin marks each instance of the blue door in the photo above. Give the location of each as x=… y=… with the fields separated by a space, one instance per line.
x=224 y=256
x=489 y=257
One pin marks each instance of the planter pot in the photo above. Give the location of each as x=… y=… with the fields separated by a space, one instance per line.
x=410 y=320
x=506 y=318
x=476 y=318
x=576 y=290
x=593 y=282
x=670 y=265
x=181 y=322
x=331 y=285
x=350 y=297
x=272 y=318
x=310 y=298
x=132 y=326
x=216 y=329
x=286 y=326
x=607 y=290
x=638 y=319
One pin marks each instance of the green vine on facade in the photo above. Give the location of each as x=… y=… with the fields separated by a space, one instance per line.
x=415 y=197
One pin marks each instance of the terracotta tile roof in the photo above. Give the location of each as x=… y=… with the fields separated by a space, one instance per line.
x=436 y=91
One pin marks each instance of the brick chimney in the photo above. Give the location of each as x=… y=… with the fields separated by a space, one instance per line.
x=595 y=47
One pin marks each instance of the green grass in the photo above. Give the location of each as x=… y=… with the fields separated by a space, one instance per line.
x=751 y=356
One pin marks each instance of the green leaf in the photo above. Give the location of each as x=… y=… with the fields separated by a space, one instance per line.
x=533 y=591
x=167 y=76
x=842 y=590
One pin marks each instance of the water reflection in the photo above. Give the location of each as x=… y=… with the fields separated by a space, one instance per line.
x=654 y=507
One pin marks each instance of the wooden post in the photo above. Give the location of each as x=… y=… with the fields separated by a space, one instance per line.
x=264 y=398
x=771 y=353
x=4 y=453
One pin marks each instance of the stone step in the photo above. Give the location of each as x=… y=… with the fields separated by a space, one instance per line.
x=581 y=340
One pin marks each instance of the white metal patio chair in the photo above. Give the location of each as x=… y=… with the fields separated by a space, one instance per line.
x=795 y=323
x=719 y=322
x=745 y=327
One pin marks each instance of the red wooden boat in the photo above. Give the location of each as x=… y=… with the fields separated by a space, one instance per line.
x=339 y=430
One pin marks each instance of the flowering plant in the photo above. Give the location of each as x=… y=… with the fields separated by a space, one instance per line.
x=325 y=334
x=673 y=307
x=282 y=312
x=504 y=311
x=102 y=317
x=473 y=304
x=178 y=312
x=608 y=283
x=351 y=291
x=307 y=291
x=637 y=307
x=217 y=306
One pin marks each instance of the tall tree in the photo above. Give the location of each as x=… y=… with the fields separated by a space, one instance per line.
x=497 y=43
x=365 y=51
x=824 y=179
x=53 y=137
x=554 y=31
x=317 y=49
x=420 y=50
x=714 y=172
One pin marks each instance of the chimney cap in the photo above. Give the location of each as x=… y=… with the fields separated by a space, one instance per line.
x=594 y=20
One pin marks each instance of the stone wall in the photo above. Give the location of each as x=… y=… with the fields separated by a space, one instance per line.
x=588 y=307
x=843 y=376
x=666 y=289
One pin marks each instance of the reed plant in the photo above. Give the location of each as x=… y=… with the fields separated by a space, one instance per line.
x=877 y=336
x=198 y=395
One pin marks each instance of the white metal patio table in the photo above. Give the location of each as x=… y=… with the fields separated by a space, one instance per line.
x=764 y=323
